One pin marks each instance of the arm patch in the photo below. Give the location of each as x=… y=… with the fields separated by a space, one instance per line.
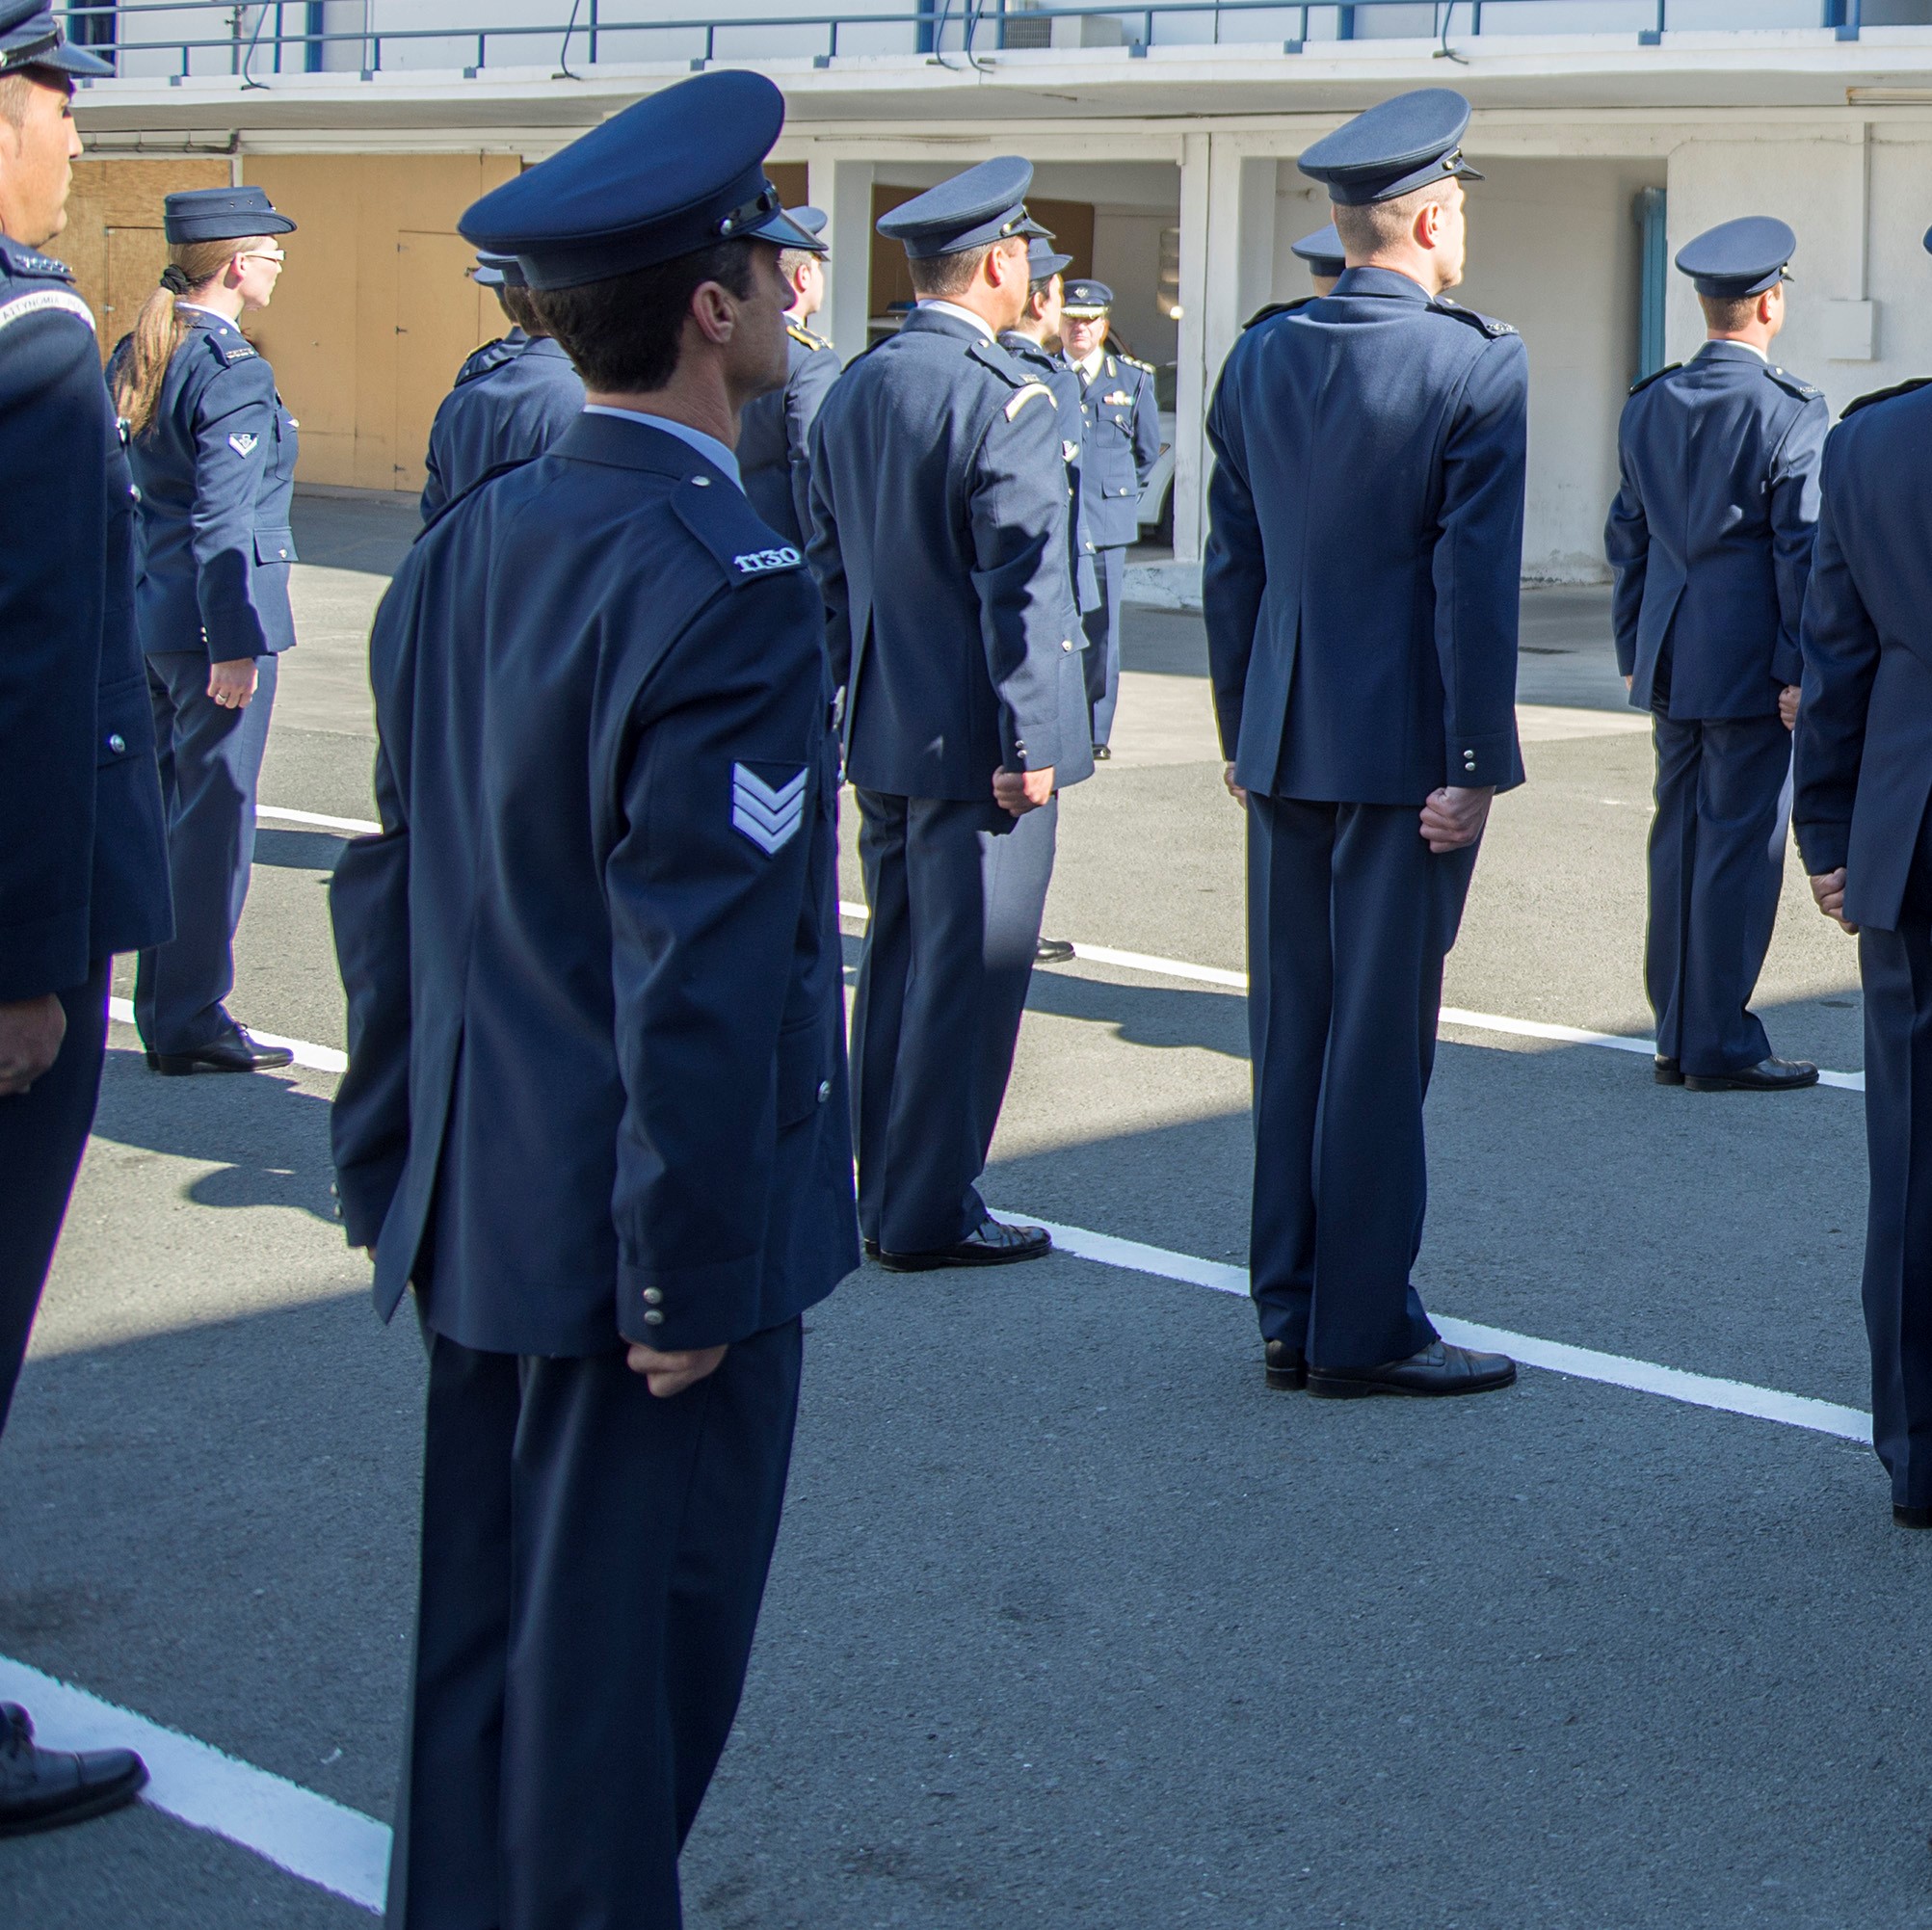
x=1026 y=395
x=1486 y=324
x=42 y=300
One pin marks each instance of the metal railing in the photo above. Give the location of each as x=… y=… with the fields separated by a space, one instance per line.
x=254 y=38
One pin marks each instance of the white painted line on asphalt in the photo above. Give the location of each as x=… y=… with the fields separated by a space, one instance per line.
x=1583 y=1364
x=355 y=827
x=1452 y=1015
x=322 y=1842
x=318 y=1058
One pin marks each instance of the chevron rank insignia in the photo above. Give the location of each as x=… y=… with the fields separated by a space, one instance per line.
x=243 y=445
x=767 y=814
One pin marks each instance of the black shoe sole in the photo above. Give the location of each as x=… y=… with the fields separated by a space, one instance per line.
x=1341 y=1387
x=933 y=1262
x=1289 y=1380
x=100 y=1801
x=1697 y=1082
x=1666 y=1075
x=185 y=1065
x=1911 y=1518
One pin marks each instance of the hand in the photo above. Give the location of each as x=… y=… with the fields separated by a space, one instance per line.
x=31 y=1031
x=1788 y=707
x=668 y=1374
x=1828 y=888
x=1454 y=818
x=1629 y=681
x=233 y=682
x=1021 y=791
x=1234 y=790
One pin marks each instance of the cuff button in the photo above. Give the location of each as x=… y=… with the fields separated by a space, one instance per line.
x=653 y=1296
x=653 y=1318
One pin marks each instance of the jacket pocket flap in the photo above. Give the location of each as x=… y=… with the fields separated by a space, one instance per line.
x=123 y=722
x=275 y=545
x=805 y=1072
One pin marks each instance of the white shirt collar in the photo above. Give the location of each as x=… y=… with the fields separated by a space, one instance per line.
x=707 y=446
x=1732 y=342
x=214 y=315
x=963 y=314
x=1090 y=366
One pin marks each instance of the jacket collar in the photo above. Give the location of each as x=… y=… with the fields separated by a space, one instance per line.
x=1732 y=352
x=621 y=443
x=924 y=320
x=1389 y=283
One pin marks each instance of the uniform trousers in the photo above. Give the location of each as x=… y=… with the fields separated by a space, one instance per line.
x=956 y=892
x=593 y=1562
x=210 y=761
x=43 y=1132
x=1349 y=918
x=1897 y=968
x=1717 y=864
x=1102 y=623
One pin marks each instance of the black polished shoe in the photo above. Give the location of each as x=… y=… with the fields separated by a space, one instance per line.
x=1102 y=753
x=1903 y=1516
x=234 y=1051
x=43 y=1788
x=1052 y=951
x=1768 y=1075
x=871 y=1247
x=1286 y=1367
x=1667 y=1071
x=1439 y=1368
x=992 y=1243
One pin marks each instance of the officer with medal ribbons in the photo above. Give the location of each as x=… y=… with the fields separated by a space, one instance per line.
x=83 y=859
x=939 y=508
x=1711 y=543
x=773 y=440
x=1120 y=443
x=213 y=451
x=1359 y=592
x=503 y=409
x=595 y=1112
x=1863 y=774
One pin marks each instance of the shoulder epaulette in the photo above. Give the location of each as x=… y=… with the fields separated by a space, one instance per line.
x=1488 y=323
x=805 y=337
x=728 y=527
x=20 y=260
x=227 y=353
x=990 y=355
x=1135 y=363
x=1277 y=309
x=1643 y=382
x=1886 y=394
x=1794 y=385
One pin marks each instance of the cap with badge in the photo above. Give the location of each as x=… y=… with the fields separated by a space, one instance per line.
x=30 y=37
x=1086 y=301
x=1322 y=250
x=1396 y=146
x=1042 y=259
x=812 y=221
x=498 y=271
x=1739 y=257
x=987 y=203
x=221 y=214
x=674 y=173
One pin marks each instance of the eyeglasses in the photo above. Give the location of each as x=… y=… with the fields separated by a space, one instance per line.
x=274 y=255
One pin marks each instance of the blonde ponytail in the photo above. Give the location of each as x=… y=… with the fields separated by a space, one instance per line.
x=158 y=331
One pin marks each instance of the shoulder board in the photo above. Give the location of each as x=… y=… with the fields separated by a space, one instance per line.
x=1029 y=351
x=1794 y=385
x=1886 y=394
x=1135 y=363
x=43 y=302
x=990 y=355
x=226 y=352
x=1025 y=394
x=1643 y=382
x=1277 y=309
x=719 y=517
x=18 y=261
x=1486 y=324
x=805 y=337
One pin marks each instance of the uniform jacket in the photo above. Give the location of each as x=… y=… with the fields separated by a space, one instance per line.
x=1065 y=388
x=596 y=1061
x=216 y=469
x=1863 y=742
x=83 y=858
x=774 y=430
x=1121 y=442
x=507 y=413
x=491 y=355
x=1711 y=535
x=938 y=508
x=1361 y=573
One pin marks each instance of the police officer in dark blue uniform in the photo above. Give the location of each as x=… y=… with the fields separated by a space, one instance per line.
x=1120 y=445
x=1711 y=541
x=493 y=272
x=82 y=861
x=1864 y=780
x=774 y=437
x=1326 y=258
x=939 y=503
x=1359 y=590
x=507 y=410
x=594 y=1109
x=213 y=451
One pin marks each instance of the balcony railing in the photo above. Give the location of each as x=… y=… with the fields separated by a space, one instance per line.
x=177 y=40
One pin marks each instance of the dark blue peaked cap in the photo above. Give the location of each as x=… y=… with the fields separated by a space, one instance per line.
x=813 y=221
x=671 y=173
x=1042 y=260
x=498 y=271
x=986 y=203
x=1087 y=299
x=221 y=214
x=1395 y=148
x=30 y=37
x=1739 y=258
x=1322 y=250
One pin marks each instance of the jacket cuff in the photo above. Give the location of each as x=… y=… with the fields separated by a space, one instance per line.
x=1788 y=664
x=1030 y=750
x=363 y=1195
x=1626 y=658
x=1823 y=847
x=1477 y=762
x=47 y=955
x=672 y=1308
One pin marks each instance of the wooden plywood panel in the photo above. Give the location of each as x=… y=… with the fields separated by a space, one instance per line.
x=135 y=259
x=789 y=178
x=439 y=321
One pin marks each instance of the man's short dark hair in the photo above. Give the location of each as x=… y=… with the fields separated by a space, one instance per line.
x=17 y=90
x=515 y=302
x=1729 y=313
x=940 y=276
x=625 y=334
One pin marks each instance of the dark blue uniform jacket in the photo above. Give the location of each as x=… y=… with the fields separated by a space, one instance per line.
x=1120 y=445
x=506 y=413
x=939 y=503
x=1711 y=535
x=491 y=355
x=596 y=1061
x=216 y=469
x=1363 y=564
x=1065 y=388
x=83 y=859
x=1864 y=748
x=774 y=434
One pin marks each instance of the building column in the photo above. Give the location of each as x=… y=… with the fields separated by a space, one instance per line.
x=843 y=189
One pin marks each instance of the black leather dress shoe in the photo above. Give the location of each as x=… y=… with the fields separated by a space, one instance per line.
x=1668 y=1072
x=1768 y=1075
x=871 y=1247
x=992 y=1243
x=42 y=1788
x=1102 y=753
x=1286 y=1367
x=1439 y=1368
x=234 y=1051
x=1911 y=1518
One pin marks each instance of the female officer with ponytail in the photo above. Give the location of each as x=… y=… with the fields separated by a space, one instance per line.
x=213 y=452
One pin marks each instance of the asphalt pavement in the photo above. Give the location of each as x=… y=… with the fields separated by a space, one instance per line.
x=1072 y=1620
